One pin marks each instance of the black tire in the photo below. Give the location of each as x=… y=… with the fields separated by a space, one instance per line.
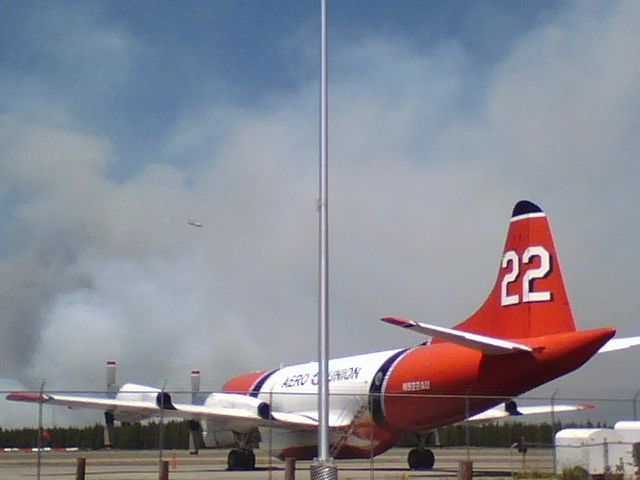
x=249 y=459
x=420 y=459
x=235 y=460
x=241 y=460
x=413 y=459
x=428 y=459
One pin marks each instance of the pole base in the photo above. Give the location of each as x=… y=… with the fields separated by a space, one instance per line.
x=324 y=470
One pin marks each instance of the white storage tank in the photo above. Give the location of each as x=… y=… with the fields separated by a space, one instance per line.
x=629 y=432
x=597 y=450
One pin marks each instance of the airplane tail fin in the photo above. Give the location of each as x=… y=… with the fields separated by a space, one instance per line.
x=529 y=298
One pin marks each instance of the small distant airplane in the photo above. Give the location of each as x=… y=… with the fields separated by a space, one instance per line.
x=523 y=336
x=194 y=223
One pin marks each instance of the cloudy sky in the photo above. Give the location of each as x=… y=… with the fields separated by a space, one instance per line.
x=121 y=120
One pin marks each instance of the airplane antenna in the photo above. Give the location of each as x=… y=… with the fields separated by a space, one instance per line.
x=323 y=467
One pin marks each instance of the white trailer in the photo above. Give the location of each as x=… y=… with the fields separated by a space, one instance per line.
x=629 y=433
x=598 y=450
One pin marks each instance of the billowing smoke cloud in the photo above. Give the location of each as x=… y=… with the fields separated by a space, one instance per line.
x=97 y=267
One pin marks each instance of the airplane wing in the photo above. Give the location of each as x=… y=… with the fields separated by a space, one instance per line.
x=510 y=410
x=488 y=345
x=619 y=344
x=238 y=419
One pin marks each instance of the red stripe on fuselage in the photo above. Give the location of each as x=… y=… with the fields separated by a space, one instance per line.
x=243 y=384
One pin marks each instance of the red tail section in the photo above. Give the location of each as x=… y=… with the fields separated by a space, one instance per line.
x=529 y=298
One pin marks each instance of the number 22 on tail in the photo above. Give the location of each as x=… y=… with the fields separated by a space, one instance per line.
x=512 y=261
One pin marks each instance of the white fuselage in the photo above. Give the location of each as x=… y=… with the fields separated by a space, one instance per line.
x=294 y=389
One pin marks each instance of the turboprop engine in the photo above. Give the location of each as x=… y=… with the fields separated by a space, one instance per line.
x=218 y=438
x=228 y=434
x=132 y=392
x=239 y=402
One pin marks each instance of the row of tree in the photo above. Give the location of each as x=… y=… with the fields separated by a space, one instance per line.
x=136 y=436
x=175 y=435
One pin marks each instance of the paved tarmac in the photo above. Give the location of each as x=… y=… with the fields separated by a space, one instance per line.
x=211 y=464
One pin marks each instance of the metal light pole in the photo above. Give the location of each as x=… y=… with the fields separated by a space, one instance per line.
x=323 y=466
x=40 y=428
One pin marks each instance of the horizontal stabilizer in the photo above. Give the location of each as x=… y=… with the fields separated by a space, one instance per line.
x=488 y=345
x=619 y=344
x=502 y=412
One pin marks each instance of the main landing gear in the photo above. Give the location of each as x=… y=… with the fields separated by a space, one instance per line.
x=420 y=459
x=241 y=459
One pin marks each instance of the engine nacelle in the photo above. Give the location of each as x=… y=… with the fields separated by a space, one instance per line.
x=135 y=393
x=138 y=393
x=213 y=438
x=240 y=402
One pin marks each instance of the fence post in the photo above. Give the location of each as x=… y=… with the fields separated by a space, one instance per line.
x=270 y=438
x=290 y=468
x=635 y=451
x=161 y=426
x=467 y=435
x=40 y=428
x=465 y=470
x=371 y=464
x=164 y=470
x=605 y=452
x=81 y=464
x=522 y=448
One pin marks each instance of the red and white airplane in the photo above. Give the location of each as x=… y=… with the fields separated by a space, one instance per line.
x=523 y=336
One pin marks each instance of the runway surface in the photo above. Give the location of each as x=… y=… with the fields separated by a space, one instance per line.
x=211 y=464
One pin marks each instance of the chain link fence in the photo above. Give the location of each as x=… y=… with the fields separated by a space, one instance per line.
x=502 y=442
